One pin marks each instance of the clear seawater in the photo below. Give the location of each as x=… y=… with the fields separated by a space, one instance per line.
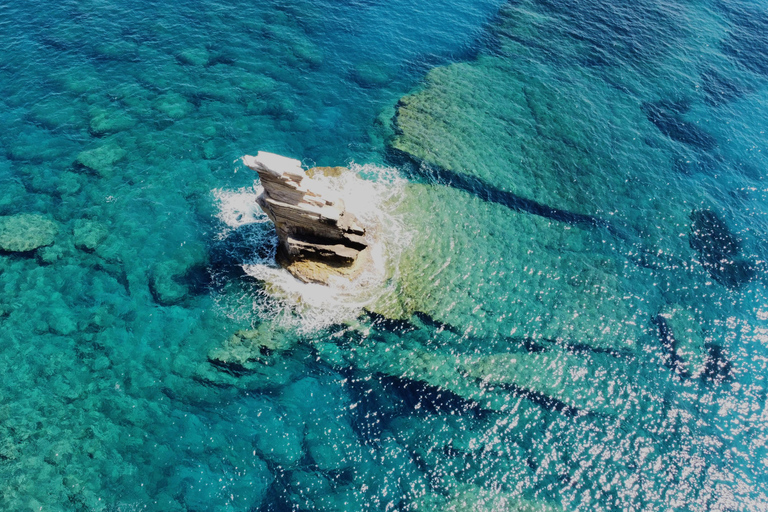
x=573 y=312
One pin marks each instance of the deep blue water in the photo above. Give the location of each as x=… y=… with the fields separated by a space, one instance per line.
x=572 y=312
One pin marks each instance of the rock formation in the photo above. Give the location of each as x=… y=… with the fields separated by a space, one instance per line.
x=317 y=237
x=26 y=232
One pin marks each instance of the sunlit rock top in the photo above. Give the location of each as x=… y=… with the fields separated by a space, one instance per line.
x=318 y=237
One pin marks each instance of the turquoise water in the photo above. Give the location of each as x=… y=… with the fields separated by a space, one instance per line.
x=572 y=311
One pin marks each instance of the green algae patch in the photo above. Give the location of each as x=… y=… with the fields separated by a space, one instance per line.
x=26 y=232
x=102 y=159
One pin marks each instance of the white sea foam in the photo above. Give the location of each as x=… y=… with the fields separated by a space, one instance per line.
x=238 y=207
x=372 y=194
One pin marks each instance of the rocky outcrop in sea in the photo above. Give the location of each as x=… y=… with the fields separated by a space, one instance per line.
x=317 y=237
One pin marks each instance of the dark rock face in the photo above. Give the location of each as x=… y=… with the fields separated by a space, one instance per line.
x=719 y=249
x=317 y=236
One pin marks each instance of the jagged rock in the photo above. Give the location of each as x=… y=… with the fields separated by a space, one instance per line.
x=317 y=237
x=26 y=232
x=326 y=171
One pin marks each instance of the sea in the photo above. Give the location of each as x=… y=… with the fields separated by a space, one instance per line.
x=567 y=204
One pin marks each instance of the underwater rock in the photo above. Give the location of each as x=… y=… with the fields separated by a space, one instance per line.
x=666 y=116
x=579 y=299
x=248 y=349
x=747 y=41
x=171 y=281
x=278 y=438
x=50 y=254
x=88 y=235
x=317 y=237
x=332 y=444
x=204 y=489
x=719 y=88
x=26 y=232
x=371 y=75
x=331 y=441
x=308 y=488
x=557 y=380
x=719 y=249
x=163 y=284
x=69 y=183
x=194 y=57
x=174 y=105
x=104 y=122
x=683 y=342
x=101 y=159
x=718 y=366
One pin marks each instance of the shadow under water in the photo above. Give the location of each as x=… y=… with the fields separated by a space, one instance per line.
x=720 y=250
x=420 y=171
x=667 y=116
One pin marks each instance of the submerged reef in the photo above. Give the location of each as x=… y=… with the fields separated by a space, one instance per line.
x=26 y=232
x=317 y=237
x=558 y=315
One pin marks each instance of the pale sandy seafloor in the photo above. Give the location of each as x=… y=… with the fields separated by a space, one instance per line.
x=568 y=310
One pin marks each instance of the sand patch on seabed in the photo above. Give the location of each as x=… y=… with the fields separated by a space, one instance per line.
x=372 y=193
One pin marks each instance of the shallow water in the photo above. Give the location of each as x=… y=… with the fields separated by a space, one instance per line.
x=570 y=311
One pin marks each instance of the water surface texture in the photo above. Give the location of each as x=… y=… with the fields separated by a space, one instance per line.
x=569 y=310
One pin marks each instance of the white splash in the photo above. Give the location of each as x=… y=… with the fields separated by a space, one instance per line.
x=238 y=208
x=372 y=194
